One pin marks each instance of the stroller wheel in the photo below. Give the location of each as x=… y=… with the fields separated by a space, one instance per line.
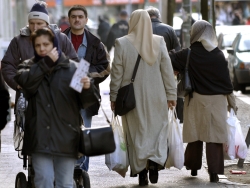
x=21 y=180
x=81 y=178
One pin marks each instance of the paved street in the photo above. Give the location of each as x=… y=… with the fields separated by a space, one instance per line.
x=101 y=177
x=99 y=174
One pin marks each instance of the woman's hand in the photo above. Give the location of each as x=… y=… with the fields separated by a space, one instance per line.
x=86 y=82
x=53 y=54
x=171 y=104
x=112 y=105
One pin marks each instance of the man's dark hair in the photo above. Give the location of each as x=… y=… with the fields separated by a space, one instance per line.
x=78 y=7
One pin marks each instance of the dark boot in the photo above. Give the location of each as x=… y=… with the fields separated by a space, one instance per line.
x=143 y=178
x=153 y=171
x=213 y=177
x=193 y=172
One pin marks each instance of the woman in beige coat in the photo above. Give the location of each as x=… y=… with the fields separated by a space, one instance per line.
x=145 y=127
x=205 y=109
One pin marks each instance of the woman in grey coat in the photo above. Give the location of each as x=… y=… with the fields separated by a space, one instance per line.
x=205 y=109
x=146 y=126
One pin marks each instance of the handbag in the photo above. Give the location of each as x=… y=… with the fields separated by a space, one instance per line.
x=125 y=100
x=97 y=140
x=184 y=86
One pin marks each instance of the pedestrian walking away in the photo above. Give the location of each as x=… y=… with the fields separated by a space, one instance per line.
x=53 y=121
x=21 y=48
x=146 y=126
x=103 y=29
x=118 y=30
x=90 y=48
x=205 y=108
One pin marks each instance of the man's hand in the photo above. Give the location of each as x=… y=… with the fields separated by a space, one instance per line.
x=53 y=54
x=112 y=105
x=171 y=104
x=86 y=82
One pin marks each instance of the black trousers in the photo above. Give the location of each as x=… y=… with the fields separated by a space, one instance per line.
x=214 y=154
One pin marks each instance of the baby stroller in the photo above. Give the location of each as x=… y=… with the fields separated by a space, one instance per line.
x=81 y=177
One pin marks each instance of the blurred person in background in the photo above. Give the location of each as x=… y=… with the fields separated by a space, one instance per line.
x=90 y=48
x=21 y=48
x=4 y=102
x=205 y=108
x=63 y=23
x=146 y=126
x=118 y=30
x=164 y=30
x=53 y=121
x=103 y=28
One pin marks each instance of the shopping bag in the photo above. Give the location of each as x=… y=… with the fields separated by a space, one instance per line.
x=118 y=160
x=229 y=147
x=236 y=146
x=175 y=142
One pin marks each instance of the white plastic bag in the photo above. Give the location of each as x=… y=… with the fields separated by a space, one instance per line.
x=118 y=160
x=236 y=146
x=229 y=147
x=175 y=142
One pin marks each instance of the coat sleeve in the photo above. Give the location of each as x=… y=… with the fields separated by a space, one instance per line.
x=176 y=43
x=30 y=75
x=68 y=48
x=167 y=73
x=10 y=62
x=116 y=72
x=4 y=101
x=100 y=70
x=178 y=59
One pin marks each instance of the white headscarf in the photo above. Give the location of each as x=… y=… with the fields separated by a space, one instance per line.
x=140 y=34
x=202 y=31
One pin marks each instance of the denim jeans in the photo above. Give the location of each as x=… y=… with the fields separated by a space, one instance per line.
x=49 y=168
x=87 y=119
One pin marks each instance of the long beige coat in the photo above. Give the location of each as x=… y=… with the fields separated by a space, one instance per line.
x=145 y=126
x=205 y=118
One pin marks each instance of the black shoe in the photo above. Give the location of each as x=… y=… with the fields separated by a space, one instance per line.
x=153 y=171
x=214 y=177
x=143 y=178
x=193 y=172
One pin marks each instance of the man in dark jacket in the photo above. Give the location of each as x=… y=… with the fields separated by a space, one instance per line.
x=118 y=30
x=164 y=30
x=4 y=101
x=20 y=47
x=92 y=50
x=103 y=29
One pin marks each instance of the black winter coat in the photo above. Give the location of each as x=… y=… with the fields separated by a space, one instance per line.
x=4 y=103
x=99 y=61
x=167 y=32
x=52 y=118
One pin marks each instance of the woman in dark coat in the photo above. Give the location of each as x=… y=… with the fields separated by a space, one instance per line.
x=205 y=109
x=52 y=127
x=4 y=101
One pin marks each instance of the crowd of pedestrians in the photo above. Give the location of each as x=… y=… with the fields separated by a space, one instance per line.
x=42 y=59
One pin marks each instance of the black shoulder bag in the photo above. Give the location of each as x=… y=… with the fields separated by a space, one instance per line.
x=125 y=100
x=184 y=86
x=97 y=140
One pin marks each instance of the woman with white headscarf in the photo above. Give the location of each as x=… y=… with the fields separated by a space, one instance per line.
x=205 y=109
x=145 y=127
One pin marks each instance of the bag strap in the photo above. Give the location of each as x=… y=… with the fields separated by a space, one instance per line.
x=136 y=67
x=107 y=119
x=188 y=57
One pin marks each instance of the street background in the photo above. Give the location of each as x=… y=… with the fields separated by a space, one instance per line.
x=101 y=177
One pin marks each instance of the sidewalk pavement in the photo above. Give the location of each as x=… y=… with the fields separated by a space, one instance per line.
x=100 y=176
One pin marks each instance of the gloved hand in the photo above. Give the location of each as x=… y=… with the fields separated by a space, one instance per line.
x=232 y=103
